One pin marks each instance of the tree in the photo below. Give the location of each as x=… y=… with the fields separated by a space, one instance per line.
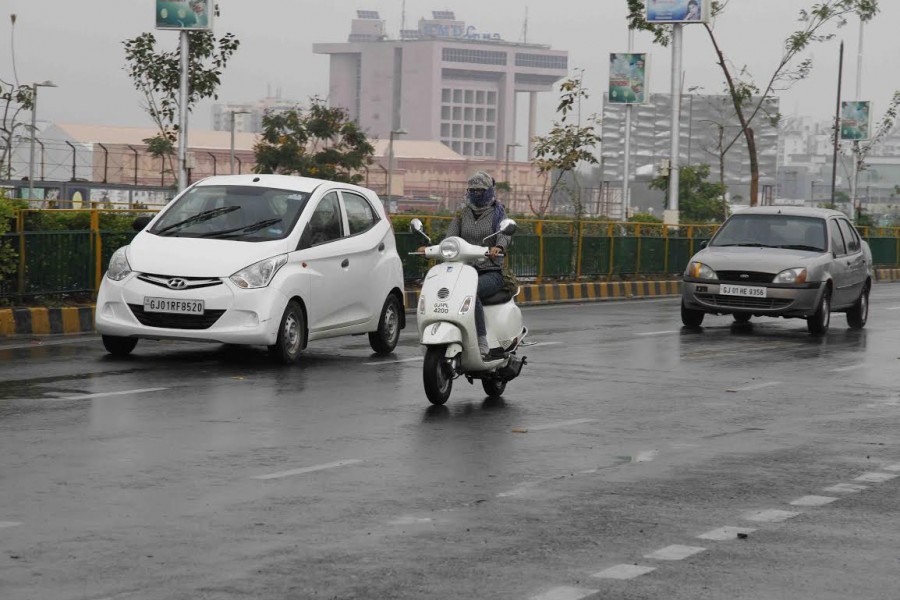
x=14 y=99
x=746 y=96
x=699 y=200
x=566 y=146
x=157 y=75
x=320 y=142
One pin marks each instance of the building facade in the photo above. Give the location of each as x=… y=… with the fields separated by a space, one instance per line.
x=443 y=81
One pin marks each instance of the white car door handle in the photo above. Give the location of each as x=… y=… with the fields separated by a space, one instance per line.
x=345 y=263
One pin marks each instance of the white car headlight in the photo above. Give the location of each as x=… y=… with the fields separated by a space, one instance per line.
x=449 y=249
x=698 y=270
x=259 y=275
x=796 y=275
x=119 y=268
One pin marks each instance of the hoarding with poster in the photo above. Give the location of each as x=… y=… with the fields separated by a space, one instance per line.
x=678 y=11
x=856 y=120
x=184 y=14
x=628 y=78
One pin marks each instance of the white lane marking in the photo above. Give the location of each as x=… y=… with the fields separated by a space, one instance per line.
x=876 y=477
x=813 y=501
x=536 y=344
x=560 y=424
x=646 y=333
x=770 y=516
x=107 y=394
x=623 y=572
x=394 y=362
x=757 y=386
x=519 y=489
x=845 y=488
x=893 y=308
x=333 y=465
x=725 y=533
x=565 y=593
x=645 y=456
x=675 y=552
x=848 y=368
x=895 y=467
x=4 y=524
x=410 y=520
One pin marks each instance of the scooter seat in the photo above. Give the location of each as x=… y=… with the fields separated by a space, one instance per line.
x=501 y=297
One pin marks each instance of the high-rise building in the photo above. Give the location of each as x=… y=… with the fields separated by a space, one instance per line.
x=443 y=81
x=248 y=115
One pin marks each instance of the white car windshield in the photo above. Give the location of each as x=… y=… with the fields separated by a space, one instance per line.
x=773 y=231
x=246 y=213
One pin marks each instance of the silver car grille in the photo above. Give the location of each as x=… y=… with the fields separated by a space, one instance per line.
x=744 y=302
x=178 y=283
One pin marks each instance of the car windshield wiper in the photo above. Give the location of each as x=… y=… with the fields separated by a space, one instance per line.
x=246 y=229
x=802 y=247
x=198 y=218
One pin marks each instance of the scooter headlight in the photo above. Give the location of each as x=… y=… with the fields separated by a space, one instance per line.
x=449 y=249
x=421 y=305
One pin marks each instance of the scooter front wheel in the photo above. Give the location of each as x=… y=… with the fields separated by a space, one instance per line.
x=436 y=375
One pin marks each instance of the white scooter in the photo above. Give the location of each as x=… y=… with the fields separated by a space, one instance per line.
x=446 y=320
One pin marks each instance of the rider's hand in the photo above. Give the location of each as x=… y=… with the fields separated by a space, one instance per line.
x=495 y=251
x=421 y=249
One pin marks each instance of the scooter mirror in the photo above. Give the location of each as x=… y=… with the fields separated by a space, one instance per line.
x=416 y=226
x=508 y=227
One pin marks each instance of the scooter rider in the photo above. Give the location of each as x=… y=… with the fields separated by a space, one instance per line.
x=479 y=218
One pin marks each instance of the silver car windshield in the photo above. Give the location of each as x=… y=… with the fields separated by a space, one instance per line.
x=246 y=213
x=773 y=231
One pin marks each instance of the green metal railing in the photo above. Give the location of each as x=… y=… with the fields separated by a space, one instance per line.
x=65 y=262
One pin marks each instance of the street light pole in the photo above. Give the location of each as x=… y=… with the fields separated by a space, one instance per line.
x=233 y=113
x=34 y=96
x=390 y=173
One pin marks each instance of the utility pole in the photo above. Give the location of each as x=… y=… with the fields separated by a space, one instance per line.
x=837 y=126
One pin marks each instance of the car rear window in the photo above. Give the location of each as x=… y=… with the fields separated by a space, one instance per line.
x=773 y=230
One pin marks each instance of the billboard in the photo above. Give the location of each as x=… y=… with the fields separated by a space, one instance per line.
x=627 y=78
x=184 y=14
x=678 y=11
x=856 y=120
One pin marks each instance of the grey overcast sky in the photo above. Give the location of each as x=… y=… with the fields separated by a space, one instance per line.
x=78 y=45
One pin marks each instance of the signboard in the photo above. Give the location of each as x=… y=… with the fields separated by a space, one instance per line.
x=627 y=78
x=678 y=11
x=184 y=14
x=856 y=120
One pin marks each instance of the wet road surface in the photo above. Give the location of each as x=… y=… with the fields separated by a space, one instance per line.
x=625 y=462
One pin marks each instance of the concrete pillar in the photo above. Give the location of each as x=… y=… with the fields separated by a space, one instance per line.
x=532 y=122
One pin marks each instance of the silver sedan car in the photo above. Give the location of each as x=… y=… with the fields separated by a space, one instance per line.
x=781 y=262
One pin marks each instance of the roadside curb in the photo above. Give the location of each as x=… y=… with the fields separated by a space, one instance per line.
x=553 y=293
x=80 y=319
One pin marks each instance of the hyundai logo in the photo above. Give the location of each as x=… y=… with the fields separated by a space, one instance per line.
x=176 y=283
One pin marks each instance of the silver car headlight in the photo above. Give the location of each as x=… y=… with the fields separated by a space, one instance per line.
x=260 y=274
x=449 y=249
x=119 y=268
x=698 y=270
x=796 y=275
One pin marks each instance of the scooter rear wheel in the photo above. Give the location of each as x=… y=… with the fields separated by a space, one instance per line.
x=493 y=387
x=436 y=375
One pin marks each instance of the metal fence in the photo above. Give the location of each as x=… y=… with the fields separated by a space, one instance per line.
x=37 y=262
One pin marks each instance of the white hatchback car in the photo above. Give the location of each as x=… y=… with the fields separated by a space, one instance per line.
x=268 y=260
